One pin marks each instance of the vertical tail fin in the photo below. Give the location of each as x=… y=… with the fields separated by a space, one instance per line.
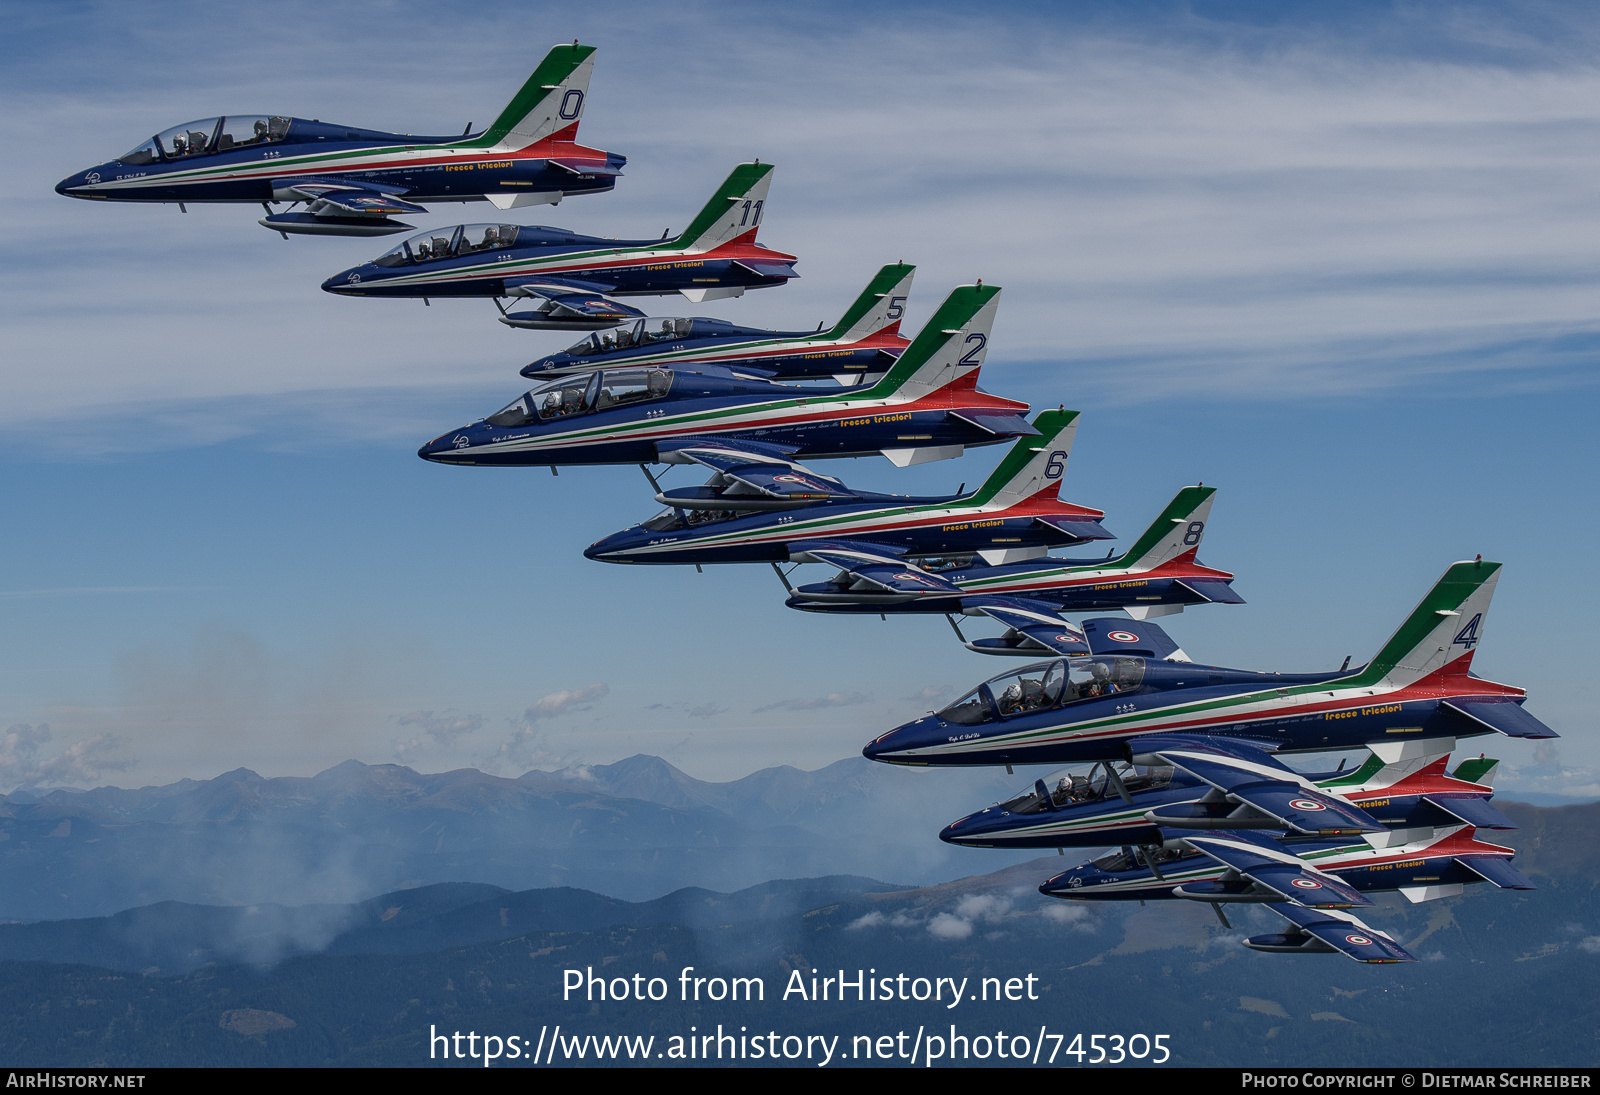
x=950 y=345
x=1441 y=632
x=550 y=103
x=734 y=211
x=879 y=307
x=1176 y=533
x=1034 y=463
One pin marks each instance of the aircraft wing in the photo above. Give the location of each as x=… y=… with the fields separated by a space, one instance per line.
x=764 y=469
x=338 y=198
x=1112 y=635
x=1254 y=777
x=871 y=567
x=566 y=299
x=1272 y=867
x=1035 y=627
x=1331 y=929
x=845 y=554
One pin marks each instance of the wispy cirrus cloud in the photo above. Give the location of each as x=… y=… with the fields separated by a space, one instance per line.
x=816 y=703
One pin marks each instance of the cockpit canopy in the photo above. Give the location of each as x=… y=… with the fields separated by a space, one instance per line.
x=1068 y=788
x=449 y=243
x=601 y=390
x=208 y=136
x=642 y=332
x=1044 y=686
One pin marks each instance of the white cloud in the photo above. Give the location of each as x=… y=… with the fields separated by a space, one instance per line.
x=1072 y=916
x=945 y=926
x=23 y=763
x=815 y=703
x=564 y=701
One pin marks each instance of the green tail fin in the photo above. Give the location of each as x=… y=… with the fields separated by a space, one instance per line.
x=1178 y=529
x=735 y=209
x=550 y=101
x=880 y=304
x=1033 y=462
x=1444 y=626
x=937 y=350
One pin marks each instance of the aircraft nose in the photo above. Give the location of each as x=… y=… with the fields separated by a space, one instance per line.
x=436 y=449
x=889 y=747
x=1062 y=884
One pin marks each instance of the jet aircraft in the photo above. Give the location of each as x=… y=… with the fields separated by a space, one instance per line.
x=927 y=407
x=1401 y=785
x=569 y=274
x=351 y=180
x=1157 y=576
x=1110 y=707
x=758 y=509
x=1306 y=881
x=866 y=340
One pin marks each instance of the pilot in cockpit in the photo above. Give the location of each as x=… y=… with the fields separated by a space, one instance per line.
x=1102 y=685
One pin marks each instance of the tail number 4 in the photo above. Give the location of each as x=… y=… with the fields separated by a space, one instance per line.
x=1468 y=636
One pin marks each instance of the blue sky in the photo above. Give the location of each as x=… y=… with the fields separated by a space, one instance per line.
x=1342 y=266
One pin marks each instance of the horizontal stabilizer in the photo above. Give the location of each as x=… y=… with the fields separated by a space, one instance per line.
x=1117 y=636
x=1473 y=809
x=1083 y=528
x=1498 y=870
x=768 y=269
x=1502 y=716
x=1216 y=590
x=1001 y=425
x=586 y=169
x=1341 y=932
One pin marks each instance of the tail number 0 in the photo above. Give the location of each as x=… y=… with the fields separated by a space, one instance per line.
x=571 y=104
x=1056 y=465
x=897 y=307
x=1192 y=534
